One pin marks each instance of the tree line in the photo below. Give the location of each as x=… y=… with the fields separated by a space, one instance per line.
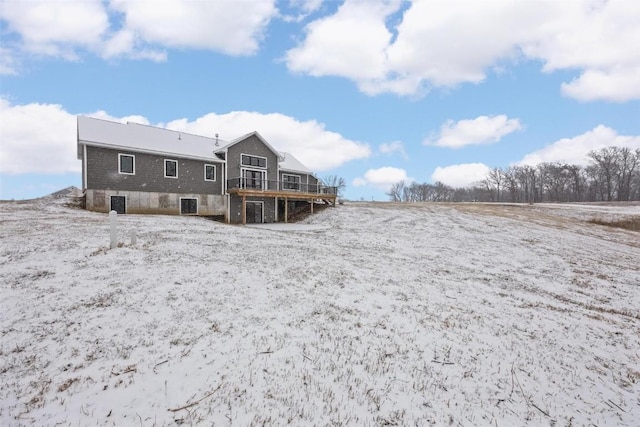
x=613 y=174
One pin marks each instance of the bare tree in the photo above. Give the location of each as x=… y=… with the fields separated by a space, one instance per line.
x=335 y=181
x=614 y=174
x=606 y=159
x=511 y=183
x=396 y=192
x=577 y=182
x=493 y=182
x=527 y=178
x=634 y=186
x=628 y=163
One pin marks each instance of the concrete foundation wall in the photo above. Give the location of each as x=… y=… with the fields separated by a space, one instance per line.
x=140 y=202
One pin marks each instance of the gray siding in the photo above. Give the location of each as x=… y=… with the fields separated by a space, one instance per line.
x=252 y=146
x=103 y=174
x=235 y=208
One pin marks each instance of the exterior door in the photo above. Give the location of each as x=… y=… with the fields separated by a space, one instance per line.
x=254 y=212
x=119 y=204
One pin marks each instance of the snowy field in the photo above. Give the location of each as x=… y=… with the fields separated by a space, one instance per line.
x=371 y=315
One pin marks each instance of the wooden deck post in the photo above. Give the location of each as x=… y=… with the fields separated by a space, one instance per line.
x=286 y=210
x=311 y=206
x=244 y=210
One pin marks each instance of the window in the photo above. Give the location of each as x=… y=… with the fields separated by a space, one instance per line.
x=291 y=182
x=253 y=179
x=188 y=206
x=170 y=169
x=119 y=204
x=256 y=161
x=127 y=164
x=209 y=172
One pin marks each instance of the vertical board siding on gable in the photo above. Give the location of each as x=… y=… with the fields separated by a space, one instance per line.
x=253 y=147
x=102 y=164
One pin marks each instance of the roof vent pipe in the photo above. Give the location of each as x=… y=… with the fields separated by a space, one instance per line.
x=217 y=140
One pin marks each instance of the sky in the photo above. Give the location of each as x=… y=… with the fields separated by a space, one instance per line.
x=374 y=92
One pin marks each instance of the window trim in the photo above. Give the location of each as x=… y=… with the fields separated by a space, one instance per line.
x=214 y=172
x=197 y=205
x=165 y=168
x=133 y=164
x=298 y=184
x=264 y=184
x=242 y=165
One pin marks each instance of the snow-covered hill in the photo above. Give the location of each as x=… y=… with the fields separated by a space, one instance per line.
x=380 y=314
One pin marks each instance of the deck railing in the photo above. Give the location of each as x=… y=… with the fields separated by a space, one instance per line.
x=256 y=184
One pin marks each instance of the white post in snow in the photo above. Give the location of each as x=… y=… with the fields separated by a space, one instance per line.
x=113 y=222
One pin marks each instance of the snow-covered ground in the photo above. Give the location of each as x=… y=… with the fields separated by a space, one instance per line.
x=374 y=314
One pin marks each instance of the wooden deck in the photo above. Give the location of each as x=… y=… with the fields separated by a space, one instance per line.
x=280 y=194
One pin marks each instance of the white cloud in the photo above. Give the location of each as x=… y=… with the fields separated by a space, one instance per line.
x=382 y=178
x=136 y=118
x=132 y=28
x=350 y=43
x=443 y=44
x=41 y=138
x=393 y=147
x=56 y=27
x=303 y=8
x=615 y=85
x=462 y=175
x=309 y=141
x=306 y=5
x=234 y=28
x=574 y=150
x=8 y=62
x=481 y=130
x=125 y=43
x=37 y=138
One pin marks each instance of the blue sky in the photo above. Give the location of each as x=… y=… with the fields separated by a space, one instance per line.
x=374 y=92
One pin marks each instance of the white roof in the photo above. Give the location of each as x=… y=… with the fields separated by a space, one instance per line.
x=137 y=137
x=243 y=137
x=155 y=140
x=291 y=164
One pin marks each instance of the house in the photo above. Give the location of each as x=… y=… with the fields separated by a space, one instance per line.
x=135 y=168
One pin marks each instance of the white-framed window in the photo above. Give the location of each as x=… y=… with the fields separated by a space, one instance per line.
x=209 y=172
x=290 y=182
x=126 y=164
x=253 y=161
x=188 y=206
x=252 y=178
x=170 y=168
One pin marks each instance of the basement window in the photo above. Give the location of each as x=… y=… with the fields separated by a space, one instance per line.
x=170 y=169
x=188 y=206
x=126 y=164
